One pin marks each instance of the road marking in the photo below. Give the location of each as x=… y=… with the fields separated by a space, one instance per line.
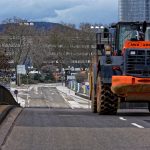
x=121 y=118
x=47 y=103
x=28 y=101
x=139 y=126
x=28 y=104
x=36 y=89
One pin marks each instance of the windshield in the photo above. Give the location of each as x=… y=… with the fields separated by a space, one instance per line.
x=127 y=32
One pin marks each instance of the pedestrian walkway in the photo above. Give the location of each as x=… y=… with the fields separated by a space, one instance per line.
x=69 y=92
x=73 y=100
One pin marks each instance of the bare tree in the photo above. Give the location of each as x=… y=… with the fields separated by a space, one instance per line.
x=63 y=45
x=18 y=34
x=39 y=50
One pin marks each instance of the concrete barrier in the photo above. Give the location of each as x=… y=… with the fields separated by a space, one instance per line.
x=6 y=97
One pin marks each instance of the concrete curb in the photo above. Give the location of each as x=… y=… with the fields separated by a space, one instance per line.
x=83 y=96
x=5 y=110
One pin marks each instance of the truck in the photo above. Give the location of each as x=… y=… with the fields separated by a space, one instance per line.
x=120 y=67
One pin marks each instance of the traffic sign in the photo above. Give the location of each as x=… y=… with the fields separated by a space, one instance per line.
x=21 y=69
x=16 y=92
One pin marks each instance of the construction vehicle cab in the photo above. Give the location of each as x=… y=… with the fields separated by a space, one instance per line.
x=120 y=69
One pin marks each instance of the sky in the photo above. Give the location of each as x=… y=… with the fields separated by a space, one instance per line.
x=67 y=11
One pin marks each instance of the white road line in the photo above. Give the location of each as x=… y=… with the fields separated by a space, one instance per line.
x=28 y=101
x=47 y=103
x=121 y=118
x=36 y=89
x=139 y=126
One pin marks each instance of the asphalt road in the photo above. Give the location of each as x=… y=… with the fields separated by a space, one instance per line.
x=56 y=126
x=45 y=97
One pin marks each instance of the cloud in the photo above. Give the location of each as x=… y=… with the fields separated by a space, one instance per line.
x=70 y=11
x=33 y=9
x=97 y=11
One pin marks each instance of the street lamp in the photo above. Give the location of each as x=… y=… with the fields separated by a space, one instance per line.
x=98 y=29
x=92 y=27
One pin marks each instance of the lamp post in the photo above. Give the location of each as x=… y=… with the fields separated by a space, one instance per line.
x=99 y=31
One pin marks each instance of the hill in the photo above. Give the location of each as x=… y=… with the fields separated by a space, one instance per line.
x=37 y=25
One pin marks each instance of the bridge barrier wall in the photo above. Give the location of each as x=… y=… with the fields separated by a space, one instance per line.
x=6 y=97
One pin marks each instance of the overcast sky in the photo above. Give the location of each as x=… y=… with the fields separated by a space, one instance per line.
x=69 y=11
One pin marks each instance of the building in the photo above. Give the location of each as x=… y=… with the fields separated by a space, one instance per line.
x=134 y=10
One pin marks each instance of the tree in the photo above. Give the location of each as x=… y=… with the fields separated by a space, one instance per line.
x=61 y=43
x=40 y=49
x=18 y=38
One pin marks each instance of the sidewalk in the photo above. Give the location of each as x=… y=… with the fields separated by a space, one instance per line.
x=74 y=101
x=19 y=89
x=83 y=95
x=72 y=93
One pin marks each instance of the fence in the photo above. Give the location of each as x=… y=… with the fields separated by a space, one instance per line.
x=82 y=88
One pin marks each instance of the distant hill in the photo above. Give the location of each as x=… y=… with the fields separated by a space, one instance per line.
x=37 y=25
x=45 y=25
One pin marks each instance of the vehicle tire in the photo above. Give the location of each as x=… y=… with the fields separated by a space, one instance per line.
x=93 y=100
x=107 y=102
x=149 y=106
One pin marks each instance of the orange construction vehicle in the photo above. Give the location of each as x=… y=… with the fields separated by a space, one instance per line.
x=120 y=69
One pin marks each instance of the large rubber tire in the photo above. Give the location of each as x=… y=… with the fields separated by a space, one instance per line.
x=149 y=106
x=107 y=102
x=93 y=72
x=93 y=100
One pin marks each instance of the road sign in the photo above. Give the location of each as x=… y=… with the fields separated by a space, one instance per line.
x=21 y=69
x=70 y=77
x=16 y=92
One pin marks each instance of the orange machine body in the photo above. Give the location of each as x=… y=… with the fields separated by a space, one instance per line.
x=132 y=88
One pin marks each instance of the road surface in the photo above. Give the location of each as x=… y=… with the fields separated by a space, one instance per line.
x=50 y=122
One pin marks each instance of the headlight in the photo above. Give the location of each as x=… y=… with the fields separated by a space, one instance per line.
x=132 y=52
x=108 y=49
x=108 y=52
